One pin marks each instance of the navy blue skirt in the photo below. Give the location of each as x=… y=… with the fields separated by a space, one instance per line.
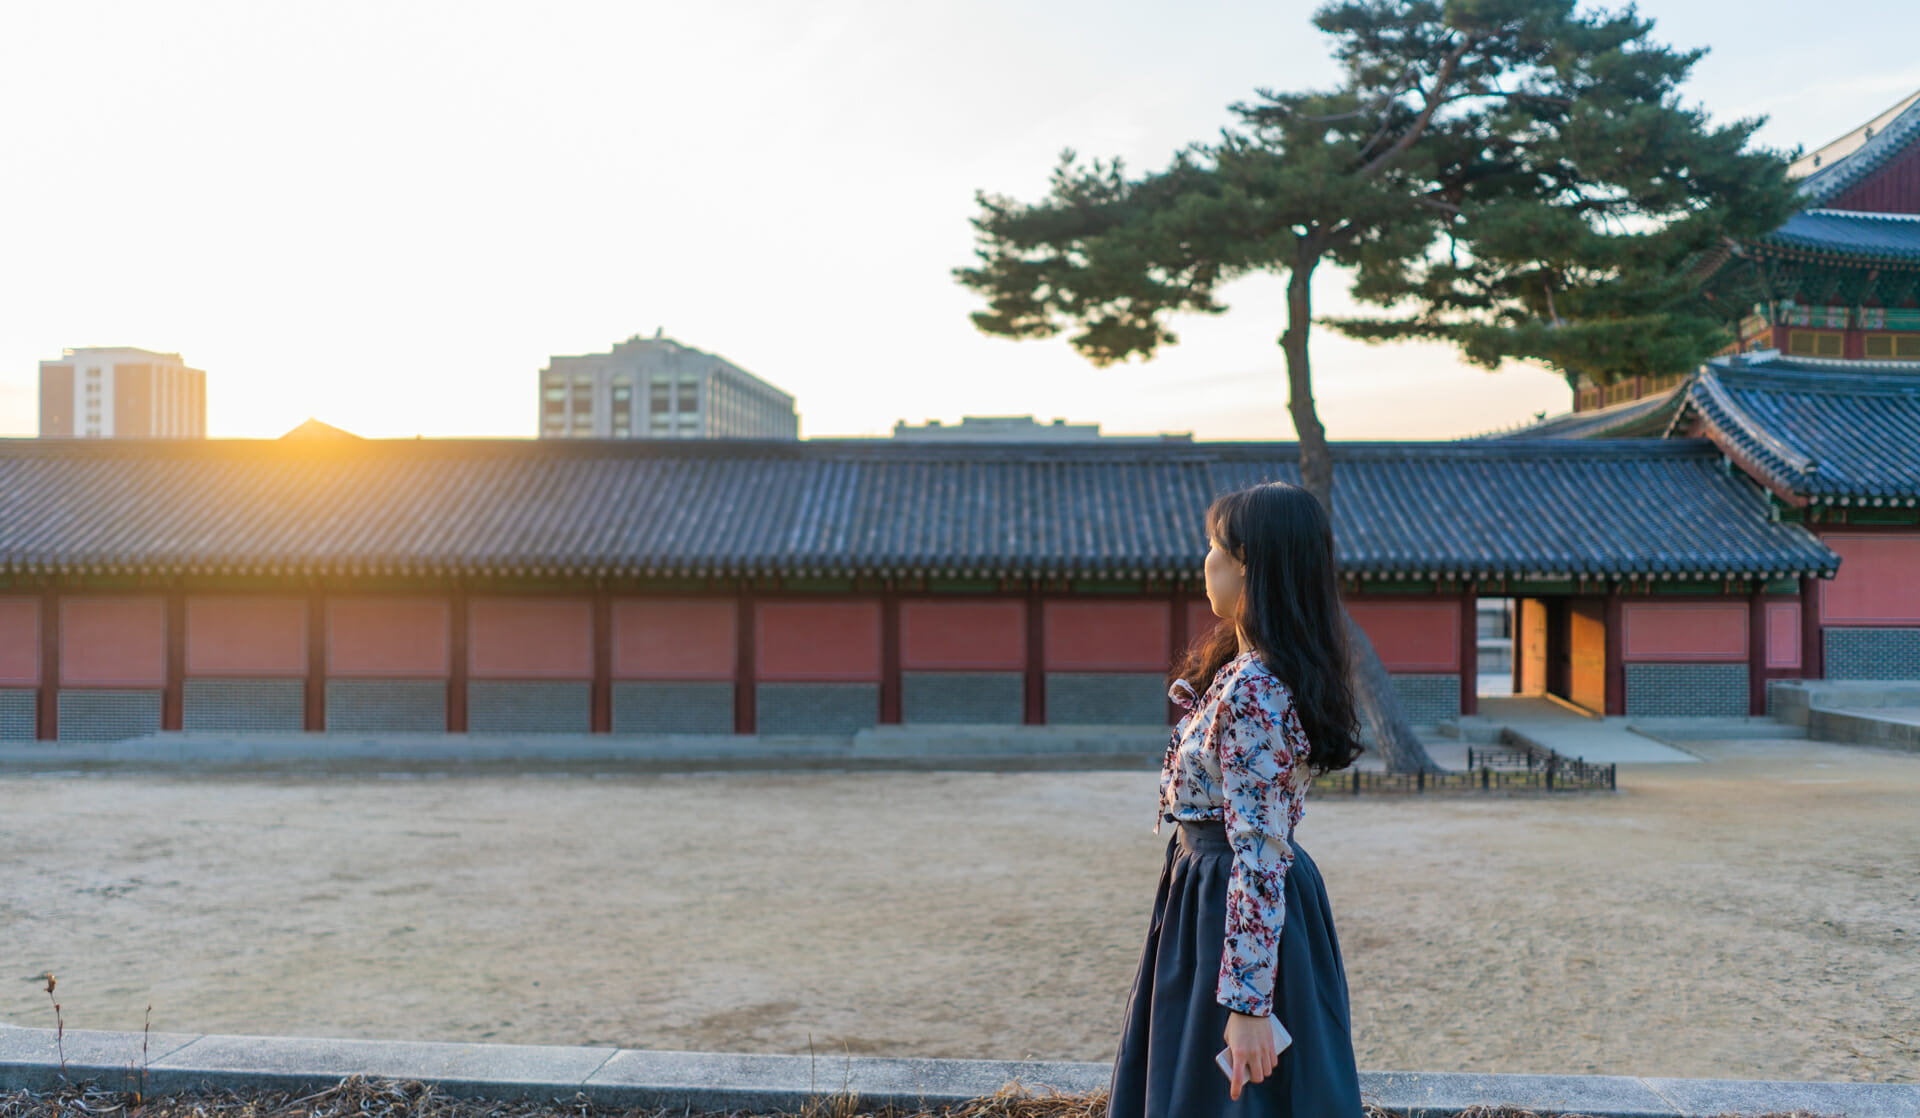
x=1173 y=1026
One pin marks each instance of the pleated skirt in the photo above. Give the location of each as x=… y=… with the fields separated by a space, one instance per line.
x=1173 y=1025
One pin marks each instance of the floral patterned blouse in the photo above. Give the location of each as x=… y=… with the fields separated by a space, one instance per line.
x=1239 y=754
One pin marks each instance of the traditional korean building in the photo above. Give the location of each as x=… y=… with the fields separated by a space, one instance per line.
x=768 y=586
x=1839 y=281
x=1819 y=402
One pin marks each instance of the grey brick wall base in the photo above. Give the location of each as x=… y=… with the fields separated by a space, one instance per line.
x=816 y=708
x=17 y=716
x=108 y=715
x=998 y=698
x=1106 y=698
x=529 y=706
x=673 y=707
x=386 y=704
x=1713 y=690
x=1426 y=700
x=1872 y=653
x=233 y=705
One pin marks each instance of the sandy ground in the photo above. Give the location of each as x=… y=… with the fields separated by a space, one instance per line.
x=1755 y=916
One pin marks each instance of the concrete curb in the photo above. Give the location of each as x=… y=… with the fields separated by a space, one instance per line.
x=1863 y=727
x=912 y=749
x=627 y=1077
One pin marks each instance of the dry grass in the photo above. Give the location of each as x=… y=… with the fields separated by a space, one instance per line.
x=359 y=1097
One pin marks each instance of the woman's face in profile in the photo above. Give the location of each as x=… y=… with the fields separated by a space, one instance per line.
x=1225 y=576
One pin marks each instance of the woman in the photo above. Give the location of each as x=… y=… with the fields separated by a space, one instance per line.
x=1275 y=707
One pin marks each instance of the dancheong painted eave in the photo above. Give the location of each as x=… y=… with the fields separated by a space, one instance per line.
x=1516 y=508
x=1890 y=238
x=1814 y=431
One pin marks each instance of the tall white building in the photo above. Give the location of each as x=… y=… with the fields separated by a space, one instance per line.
x=657 y=388
x=121 y=392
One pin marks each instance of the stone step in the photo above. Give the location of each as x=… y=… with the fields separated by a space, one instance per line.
x=1893 y=727
x=1791 y=699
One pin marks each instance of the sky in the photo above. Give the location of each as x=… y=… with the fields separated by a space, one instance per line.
x=389 y=215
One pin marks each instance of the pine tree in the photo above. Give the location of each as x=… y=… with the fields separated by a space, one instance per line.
x=1512 y=176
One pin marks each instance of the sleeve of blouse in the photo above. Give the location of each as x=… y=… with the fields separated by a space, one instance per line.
x=1256 y=765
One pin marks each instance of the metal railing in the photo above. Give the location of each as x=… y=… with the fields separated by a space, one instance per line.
x=1514 y=765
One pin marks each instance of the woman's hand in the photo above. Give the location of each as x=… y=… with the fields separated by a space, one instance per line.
x=1251 y=1041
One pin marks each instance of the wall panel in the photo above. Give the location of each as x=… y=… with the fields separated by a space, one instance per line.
x=824 y=641
x=1200 y=620
x=1879 y=579
x=1783 y=634
x=1107 y=636
x=19 y=641
x=962 y=635
x=245 y=636
x=374 y=638
x=113 y=642
x=1418 y=637
x=1677 y=631
x=674 y=638
x=529 y=638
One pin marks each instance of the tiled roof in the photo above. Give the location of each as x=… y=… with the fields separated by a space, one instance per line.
x=1875 y=236
x=1646 y=416
x=1862 y=154
x=1512 y=507
x=1825 y=431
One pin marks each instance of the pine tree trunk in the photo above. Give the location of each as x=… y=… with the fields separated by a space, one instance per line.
x=1372 y=688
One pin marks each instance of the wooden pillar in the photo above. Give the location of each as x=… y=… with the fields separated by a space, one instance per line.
x=47 y=722
x=745 y=715
x=316 y=660
x=1613 y=624
x=1559 y=673
x=1177 y=627
x=173 y=696
x=1757 y=648
x=600 y=703
x=1516 y=626
x=890 y=705
x=1470 y=649
x=457 y=659
x=1813 y=663
x=1036 y=678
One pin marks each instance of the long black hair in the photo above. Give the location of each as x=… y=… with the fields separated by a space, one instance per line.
x=1290 y=609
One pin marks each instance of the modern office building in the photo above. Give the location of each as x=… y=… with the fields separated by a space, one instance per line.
x=121 y=392
x=1020 y=428
x=658 y=388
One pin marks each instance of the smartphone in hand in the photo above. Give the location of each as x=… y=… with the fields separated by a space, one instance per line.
x=1281 y=1038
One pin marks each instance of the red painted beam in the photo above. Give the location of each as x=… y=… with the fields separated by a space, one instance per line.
x=459 y=652
x=890 y=702
x=745 y=714
x=316 y=703
x=600 y=715
x=1470 y=649
x=1757 y=649
x=1177 y=638
x=1516 y=618
x=47 y=724
x=1812 y=654
x=1614 y=626
x=1036 y=670
x=174 y=695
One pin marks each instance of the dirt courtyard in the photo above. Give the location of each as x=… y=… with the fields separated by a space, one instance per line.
x=1754 y=916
